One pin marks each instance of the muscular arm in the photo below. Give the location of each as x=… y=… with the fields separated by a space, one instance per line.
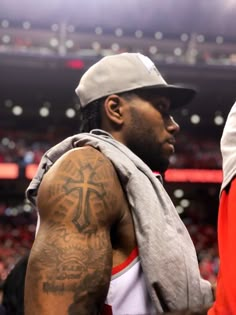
x=70 y=263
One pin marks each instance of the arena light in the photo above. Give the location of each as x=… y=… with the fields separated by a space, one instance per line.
x=96 y=45
x=6 y=39
x=178 y=193
x=193 y=175
x=5 y=141
x=75 y=64
x=17 y=110
x=119 y=32
x=26 y=25
x=69 y=43
x=71 y=28
x=115 y=47
x=11 y=145
x=153 y=50
x=54 y=42
x=98 y=30
x=77 y=106
x=184 y=37
x=184 y=112
x=5 y=23
x=200 y=38
x=178 y=51
x=219 y=40
x=8 y=103
x=27 y=207
x=195 y=119
x=219 y=120
x=138 y=34
x=30 y=170
x=158 y=35
x=185 y=203
x=70 y=113
x=9 y=171
x=44 y=112
x=55 y=27
x=179 y=209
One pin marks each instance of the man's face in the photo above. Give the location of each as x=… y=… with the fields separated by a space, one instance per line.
x=149 y=130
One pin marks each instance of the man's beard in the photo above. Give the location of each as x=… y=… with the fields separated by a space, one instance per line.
x=152 y=157
x=143 y=141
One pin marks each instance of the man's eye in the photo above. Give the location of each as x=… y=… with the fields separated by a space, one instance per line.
x=162 y=109
x=166 y=115
x=160 y=106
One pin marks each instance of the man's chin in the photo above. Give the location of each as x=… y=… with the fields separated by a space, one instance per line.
x=160 y=167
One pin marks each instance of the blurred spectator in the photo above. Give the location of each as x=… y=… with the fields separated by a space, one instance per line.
x=13 y=288
x=196 y=152
x=17 y=229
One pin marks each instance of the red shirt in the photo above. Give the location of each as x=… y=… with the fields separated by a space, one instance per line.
x=225 y=303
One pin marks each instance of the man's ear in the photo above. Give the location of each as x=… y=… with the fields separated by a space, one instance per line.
x=113 y=107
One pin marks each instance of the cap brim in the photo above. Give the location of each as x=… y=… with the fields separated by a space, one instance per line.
x=179 y=96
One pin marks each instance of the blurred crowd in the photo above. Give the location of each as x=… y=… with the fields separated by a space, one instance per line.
x=22 y=149
x=17 y=230
x=196 y=152
x=204 y=237
x=191 y=152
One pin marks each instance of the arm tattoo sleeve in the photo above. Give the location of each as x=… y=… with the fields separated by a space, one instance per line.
x=71 y=259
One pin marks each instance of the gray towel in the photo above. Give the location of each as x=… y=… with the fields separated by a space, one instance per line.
x=167 y=254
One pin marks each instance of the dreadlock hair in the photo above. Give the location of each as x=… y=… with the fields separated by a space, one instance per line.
x=90 y=115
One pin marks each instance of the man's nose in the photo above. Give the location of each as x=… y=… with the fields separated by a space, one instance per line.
x=173 y=127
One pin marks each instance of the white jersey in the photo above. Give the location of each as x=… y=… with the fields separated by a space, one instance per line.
x=128 y=293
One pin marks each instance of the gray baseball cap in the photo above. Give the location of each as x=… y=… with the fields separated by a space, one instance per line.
x=126 y=72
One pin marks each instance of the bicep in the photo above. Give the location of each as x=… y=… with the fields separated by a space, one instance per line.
x=70 y=263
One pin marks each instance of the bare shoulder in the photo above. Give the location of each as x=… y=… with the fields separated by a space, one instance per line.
x=83 y=178
x=84 y=158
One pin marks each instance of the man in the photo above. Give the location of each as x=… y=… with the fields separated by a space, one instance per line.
x=225 y=303
x=109 y=239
